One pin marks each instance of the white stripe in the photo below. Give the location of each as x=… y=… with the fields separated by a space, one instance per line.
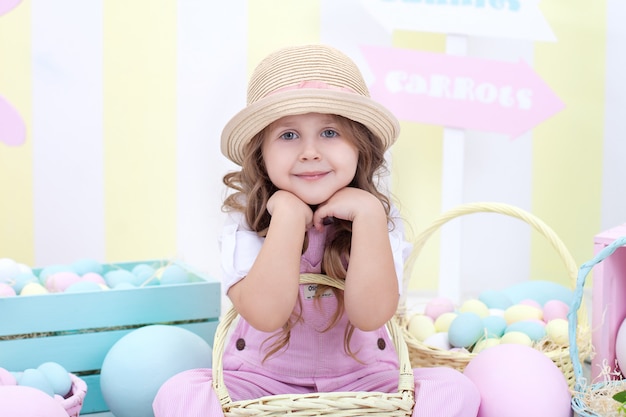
x=614 y=168
x=212 y=82
x=67 y=130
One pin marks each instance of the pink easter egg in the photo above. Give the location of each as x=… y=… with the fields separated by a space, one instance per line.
x=6 y=290
x=7 y=378
x=93 y=277
x=530 y=302
x=23 y=401
x=438 y=306
x=518 y=381
x=59 y=281
x=555 y=309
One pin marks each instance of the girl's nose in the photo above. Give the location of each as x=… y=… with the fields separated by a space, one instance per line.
x=309 y=150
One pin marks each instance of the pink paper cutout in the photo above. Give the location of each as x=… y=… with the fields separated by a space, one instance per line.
x=460 y=92
x=12 y=127
x=7 y=5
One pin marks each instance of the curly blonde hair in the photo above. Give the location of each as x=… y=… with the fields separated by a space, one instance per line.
x=251 y=189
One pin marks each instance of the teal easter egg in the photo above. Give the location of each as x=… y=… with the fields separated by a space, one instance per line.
x=540 y=291
x=147 y=274
x=85 y=265
x=117 y=276
x=535 y=330
x=36 y=379
x=174 y=274
x=58 y=377
x=22 y=279
x=83 y=286
x=495 y=299
x=465 y=330
x=494 y=326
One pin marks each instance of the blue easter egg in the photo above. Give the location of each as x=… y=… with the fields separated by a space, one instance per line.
x=140 y=362
x=58 y=377
x=146 y=274
x=174 y=274
x=52 y=269
x=22 y=279
x=34 y=378
x=85 y=265
x=465 y=330
x=494 y=326
x=495 y=299
x=83 y=286
x=535 y=330
x=116 y=276
x=540 y=291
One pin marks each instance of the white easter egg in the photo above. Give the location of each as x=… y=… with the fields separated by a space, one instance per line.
x=438 y=340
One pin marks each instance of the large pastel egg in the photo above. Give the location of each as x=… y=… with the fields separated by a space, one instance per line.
x=519 y=312
x=540 y=291
x=421 y=326
x=474 y=306
x=495 y=299
x=437 y=306
x=442 y=324
x=465 y=330
x=555 y=309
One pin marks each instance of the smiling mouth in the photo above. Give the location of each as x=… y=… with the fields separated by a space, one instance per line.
x=311 y=175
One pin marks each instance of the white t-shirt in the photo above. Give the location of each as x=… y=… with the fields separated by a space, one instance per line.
x=240 y=246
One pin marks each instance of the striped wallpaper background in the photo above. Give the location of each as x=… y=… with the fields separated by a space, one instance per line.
x=124 y=102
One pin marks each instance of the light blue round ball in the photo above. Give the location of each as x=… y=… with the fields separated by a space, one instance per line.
x=140 y=362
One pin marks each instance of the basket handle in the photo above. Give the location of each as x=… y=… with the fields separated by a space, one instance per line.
x=577 y=302
x=488 y=207
x=405 y=383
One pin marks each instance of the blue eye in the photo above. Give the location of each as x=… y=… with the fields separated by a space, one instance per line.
x=329 y=133
x=288 y=136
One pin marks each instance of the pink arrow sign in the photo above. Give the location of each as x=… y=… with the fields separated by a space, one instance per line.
x=12 y=127
x=460 y=92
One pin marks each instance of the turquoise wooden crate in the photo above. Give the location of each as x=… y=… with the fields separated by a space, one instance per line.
x=77 y=330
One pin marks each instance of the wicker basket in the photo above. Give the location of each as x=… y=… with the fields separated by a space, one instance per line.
x=323 y=403
x=422 y=355
x=591 y=400
x=74 y=402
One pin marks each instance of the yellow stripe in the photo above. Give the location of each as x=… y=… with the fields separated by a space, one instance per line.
x=140 y=128
x=567 y=149
x=16 y=168
x=280 y=23
x=416 y=171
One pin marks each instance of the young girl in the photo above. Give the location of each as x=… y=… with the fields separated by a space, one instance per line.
x=311 y=146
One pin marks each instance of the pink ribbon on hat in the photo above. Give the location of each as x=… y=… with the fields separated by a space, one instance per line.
x=313 y=84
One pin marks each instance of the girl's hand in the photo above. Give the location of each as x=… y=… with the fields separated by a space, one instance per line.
x=348 y=204
x=286 y=203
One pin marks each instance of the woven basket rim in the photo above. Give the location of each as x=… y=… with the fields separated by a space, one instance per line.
x=403 y=399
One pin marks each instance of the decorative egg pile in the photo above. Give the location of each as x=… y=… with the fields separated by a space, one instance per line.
x=49 y=377
x=83 y=275
x=528 y=314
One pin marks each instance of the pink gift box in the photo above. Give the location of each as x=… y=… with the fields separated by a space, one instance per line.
x=608 y=299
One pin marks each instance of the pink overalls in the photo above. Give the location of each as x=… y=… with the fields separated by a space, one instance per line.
x=314 y=360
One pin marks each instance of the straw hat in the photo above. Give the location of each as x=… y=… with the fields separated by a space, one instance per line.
x=300 y=80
